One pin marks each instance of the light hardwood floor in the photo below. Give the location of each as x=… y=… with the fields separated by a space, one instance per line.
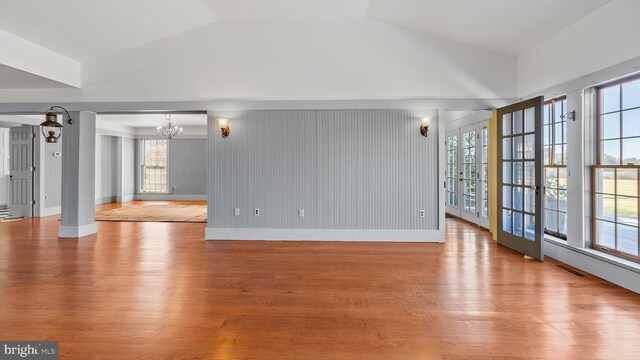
x=158 y=290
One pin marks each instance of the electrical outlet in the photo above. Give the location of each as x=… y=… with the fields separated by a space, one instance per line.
x=46 y=197
x=256 y=212
x=236 y=212
x=421 y=213
x=301 y=212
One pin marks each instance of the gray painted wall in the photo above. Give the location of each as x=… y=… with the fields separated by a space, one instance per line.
x=187 y=161
x=188 y=166
x=53 y=174
x=348 y=169
x=106 y=168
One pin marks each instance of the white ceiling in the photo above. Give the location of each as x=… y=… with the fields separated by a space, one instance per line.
x=151 y=120
x=510 y=26
x=287 y=9
x=84 y=29
x=87 y=29
x=11 y=78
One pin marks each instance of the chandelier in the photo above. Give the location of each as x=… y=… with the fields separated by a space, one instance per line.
x=169 y=131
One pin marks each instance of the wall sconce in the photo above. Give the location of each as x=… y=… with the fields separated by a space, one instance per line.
x=571 y=115
x=51 y=129
x=424 y=126
x=224 y=127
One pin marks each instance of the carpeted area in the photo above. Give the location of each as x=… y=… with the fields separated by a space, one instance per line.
x=156 y=213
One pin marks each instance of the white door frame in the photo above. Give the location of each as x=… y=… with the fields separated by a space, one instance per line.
x=22 y=171
x=452 y=179
x=475 y=216
x=4 y=167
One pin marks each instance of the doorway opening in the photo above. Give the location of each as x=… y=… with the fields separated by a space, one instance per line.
x=467 y=152
x=18 y=166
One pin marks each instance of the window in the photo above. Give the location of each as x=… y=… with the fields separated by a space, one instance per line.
x=555 y=167
x=615 y=177
x=154 y=166
x=452 y=170
x=469 y=171
x=485 y=172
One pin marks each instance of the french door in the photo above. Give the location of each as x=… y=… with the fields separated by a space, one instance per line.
x=453 y=161
x=520 y=154
x=467 y=161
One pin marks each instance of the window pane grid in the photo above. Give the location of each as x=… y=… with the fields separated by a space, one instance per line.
x=452 y=170
x=616 y=193
x=555 y=164
x=469 y=171
x=518 y=179
x=616 y=207
x=154 y=166
x=485 y=173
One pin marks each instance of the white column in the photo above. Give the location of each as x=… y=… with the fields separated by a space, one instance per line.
x=576 y=172
x=120 y=164
x=78 y=176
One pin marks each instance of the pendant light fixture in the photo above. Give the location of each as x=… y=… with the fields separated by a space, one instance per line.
x=169 y=131
x=51 y=129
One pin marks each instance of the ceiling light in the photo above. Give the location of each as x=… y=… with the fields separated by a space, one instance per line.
x=169 y=131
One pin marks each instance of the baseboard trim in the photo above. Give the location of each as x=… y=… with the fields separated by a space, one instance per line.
x=160 y=197
x=125 y=198
x=426 y=236
x=77 y=231
x=593 y=264
x=56 y=210
x=106 y=200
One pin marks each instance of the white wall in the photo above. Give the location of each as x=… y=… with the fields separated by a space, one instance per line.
x=21 y=54
x=292 y=60
x=454 y=121
x=608 y=36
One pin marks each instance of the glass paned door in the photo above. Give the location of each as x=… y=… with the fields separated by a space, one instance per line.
x=520 y=167
x=483 y=178
x=468 y=174
x=452 y=201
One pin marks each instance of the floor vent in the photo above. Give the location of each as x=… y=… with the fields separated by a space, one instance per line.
x=570 y=271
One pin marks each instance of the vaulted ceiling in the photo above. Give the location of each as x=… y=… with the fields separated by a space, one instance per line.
x=85 y=29
x=395 y=44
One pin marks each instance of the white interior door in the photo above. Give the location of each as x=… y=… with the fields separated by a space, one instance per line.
x=21 y=171
x=4 y=167
x=453 y=199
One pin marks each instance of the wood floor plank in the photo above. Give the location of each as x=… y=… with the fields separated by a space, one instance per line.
x=159 y=291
